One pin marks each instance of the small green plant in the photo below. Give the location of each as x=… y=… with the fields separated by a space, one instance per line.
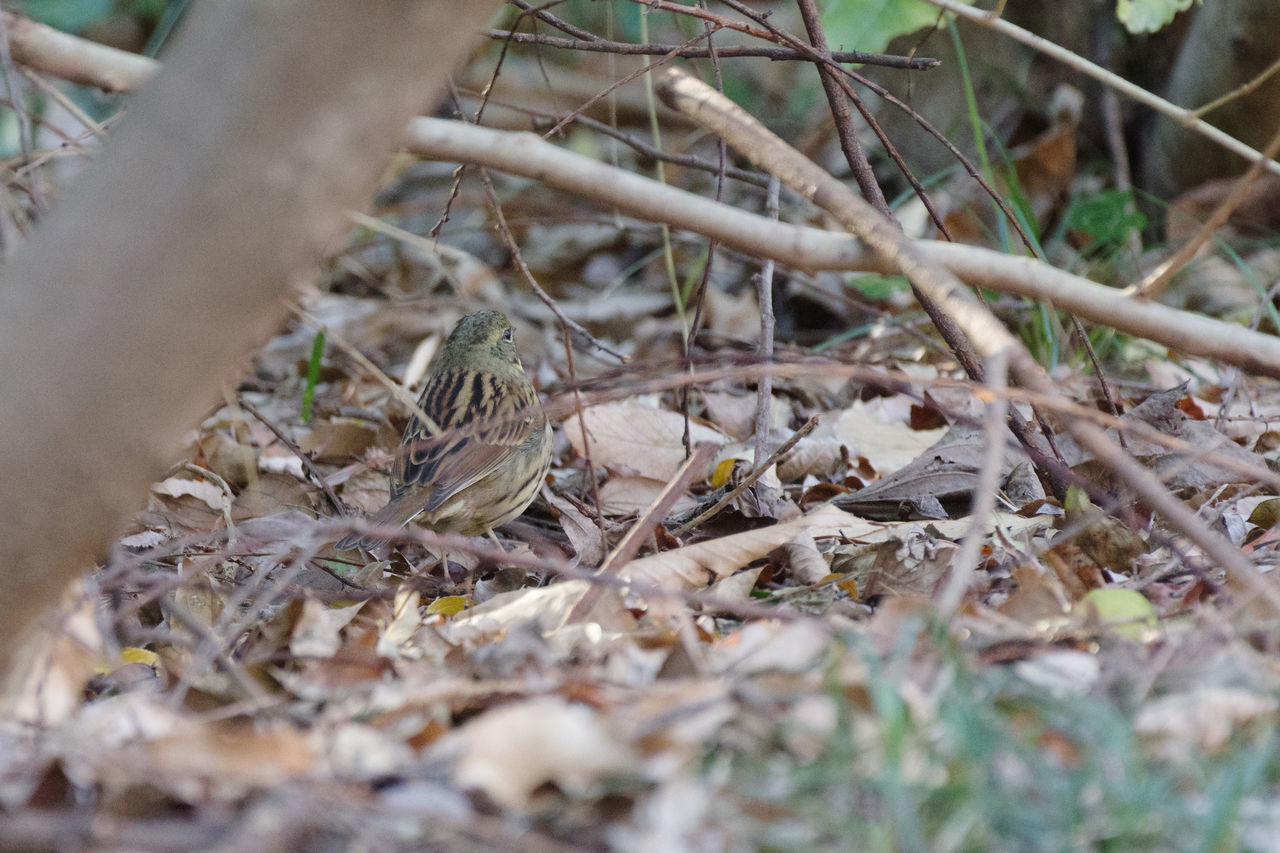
x=313 y=376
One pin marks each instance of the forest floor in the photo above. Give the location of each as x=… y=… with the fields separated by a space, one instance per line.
x=891 y=637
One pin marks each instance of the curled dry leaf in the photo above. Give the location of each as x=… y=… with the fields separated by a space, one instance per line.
x=339 y=439
x=510 y=752
x=395 y=636
x=584 y=535
x=50 y=670
x=818 y=455
x=1178 y=469
x=317 y=633
x=357 y=751
x=628 y=436
x=804 y=562
x=228 y=760
x=940 y=480
x=1061 y=672
x=229 y=459
x=883 y=437
x=206 y=492
x=912 y=562
x=544 y=609
x=695 y=566
x=736 y=413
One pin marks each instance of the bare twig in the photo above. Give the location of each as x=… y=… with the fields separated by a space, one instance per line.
x=618 y=84
x=965 y=564
x=26 y=136
x=517 y=258
x=642 y=529
x=397 y=390
x=764 y=296
x=78 y=60
x=1240 y=91
x=597 y=513
x=657 y=510
x=563 y=26
x=961 y=348
x=776 y=54
x=643 y=148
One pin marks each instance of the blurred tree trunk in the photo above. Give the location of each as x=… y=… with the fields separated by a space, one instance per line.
x=164 y=266
x=1230 y=43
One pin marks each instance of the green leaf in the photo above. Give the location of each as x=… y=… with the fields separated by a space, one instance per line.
x=1147 y=16
x=1107 y=216
x=869 y=25
x=879 y=287
x=68 y=15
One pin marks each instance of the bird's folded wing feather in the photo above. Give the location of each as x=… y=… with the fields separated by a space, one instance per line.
x=482 y=418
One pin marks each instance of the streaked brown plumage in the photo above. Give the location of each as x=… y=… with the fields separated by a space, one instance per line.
x=487 y=462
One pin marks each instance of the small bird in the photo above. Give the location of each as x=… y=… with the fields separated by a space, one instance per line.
x=481 y=462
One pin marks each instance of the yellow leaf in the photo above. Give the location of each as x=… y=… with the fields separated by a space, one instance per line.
x=448 y=605
x=1125 y=611
x=133 y=654
x=721 y=475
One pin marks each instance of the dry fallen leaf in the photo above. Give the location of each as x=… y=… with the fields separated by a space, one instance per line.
x=695 y=566
x=883 y=436
x=585 y=535
x=177 y=487
x=1203 y=717
x=510 y=752
x=629 y=436
x=629 y=496
x=317 y=633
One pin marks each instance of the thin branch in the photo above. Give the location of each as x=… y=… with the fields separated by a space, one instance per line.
x=634 y=537
x=689 y=161
x=764 y=296
x=1240 y=91
x=965 y=564
x=517 y=258
x=840 y=112
x=563 y=26
x=776 y=54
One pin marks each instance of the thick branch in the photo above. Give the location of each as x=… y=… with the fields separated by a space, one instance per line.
x=812 y=249
x=78 y=60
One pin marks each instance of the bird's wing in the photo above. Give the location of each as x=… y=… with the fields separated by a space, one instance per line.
x=482 y=417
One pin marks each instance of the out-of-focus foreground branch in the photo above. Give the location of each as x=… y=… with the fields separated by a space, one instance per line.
x=163 y=266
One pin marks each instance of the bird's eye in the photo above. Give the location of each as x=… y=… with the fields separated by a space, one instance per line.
x=508 y=335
